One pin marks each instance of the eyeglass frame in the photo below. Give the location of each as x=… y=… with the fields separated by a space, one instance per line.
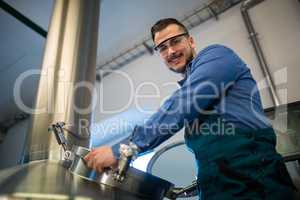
x=156 y=48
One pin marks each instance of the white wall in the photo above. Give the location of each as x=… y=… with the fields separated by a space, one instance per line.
x=280 y=40
x=276 y=21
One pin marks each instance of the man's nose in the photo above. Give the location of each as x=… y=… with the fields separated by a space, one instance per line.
x=171 y=50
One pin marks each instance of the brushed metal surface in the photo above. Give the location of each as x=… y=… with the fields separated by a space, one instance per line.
x=51 y=180
x=135 y=181
x=67 y=77
x=78 y=166
x=138 y=182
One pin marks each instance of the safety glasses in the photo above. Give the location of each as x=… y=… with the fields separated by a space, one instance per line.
x=170 y=42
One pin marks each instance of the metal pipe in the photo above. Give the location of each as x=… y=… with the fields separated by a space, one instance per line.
x=185 y=192
x=160 y=152
x=67 y=77
x=246 y=5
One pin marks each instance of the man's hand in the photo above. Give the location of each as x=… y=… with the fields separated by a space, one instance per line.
x=101 y=158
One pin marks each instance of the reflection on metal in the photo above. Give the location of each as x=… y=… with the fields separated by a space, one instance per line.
x=122 y=177
x=199 y=16
x=131 y=181
x=138 y=183
x=246 y=5
x=78 y=165
x=67 y=77
x=51 y=180
x=71 y=178
x=127 y=154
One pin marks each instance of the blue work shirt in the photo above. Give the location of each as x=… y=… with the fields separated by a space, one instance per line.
x=216 y=81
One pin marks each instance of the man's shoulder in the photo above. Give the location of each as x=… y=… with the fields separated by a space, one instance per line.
x=214 y=49
x=210 y=52
x=216 y=54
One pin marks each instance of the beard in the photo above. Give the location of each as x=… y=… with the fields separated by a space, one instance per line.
x=183 y=70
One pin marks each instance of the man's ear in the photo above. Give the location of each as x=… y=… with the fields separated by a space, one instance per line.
x=192 y=42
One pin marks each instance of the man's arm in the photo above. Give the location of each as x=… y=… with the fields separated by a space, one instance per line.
x=213 y=72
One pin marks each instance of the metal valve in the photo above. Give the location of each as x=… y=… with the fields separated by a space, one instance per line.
x=58 y=130
x=128 y=153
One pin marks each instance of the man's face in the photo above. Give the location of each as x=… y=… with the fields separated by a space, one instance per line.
x=176 y=52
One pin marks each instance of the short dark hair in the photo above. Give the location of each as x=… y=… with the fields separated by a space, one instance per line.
x=163 y=23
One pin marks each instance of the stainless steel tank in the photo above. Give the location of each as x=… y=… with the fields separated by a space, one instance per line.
x=46 y=179
x=67 y=78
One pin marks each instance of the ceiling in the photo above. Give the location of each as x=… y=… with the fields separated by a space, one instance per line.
x=122 y=24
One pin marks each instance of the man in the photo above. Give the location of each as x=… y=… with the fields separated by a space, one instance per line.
x=225 y=127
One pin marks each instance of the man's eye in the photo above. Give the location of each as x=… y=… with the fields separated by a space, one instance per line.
x=162 y=48
x=175 y=41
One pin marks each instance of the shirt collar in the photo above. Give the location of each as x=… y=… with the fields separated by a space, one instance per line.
x=186 y=74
